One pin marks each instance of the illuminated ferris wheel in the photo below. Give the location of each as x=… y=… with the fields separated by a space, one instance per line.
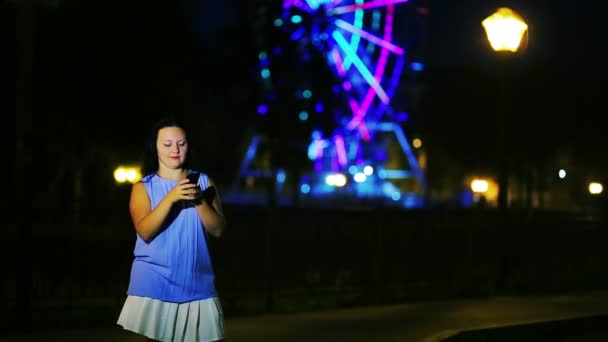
x=356 y=144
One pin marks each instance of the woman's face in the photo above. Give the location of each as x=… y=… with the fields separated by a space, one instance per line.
x=172 y=147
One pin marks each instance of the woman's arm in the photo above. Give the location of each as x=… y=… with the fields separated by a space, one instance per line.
x=148 y=222
x=210 y=211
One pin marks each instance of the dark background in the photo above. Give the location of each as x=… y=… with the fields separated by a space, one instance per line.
x=93 y=76
x=103 y=71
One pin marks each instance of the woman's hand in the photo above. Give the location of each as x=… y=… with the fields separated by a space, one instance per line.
x=184 y=191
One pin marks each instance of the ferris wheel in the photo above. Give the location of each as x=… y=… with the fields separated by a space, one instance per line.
x=356 y=144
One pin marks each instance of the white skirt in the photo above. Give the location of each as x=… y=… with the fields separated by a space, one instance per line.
x=201 y=320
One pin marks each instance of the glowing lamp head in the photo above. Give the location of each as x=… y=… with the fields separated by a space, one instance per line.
x=504 y=29
x=336 y=180
x=479 y=185
x=595 y=188
x=127 y=174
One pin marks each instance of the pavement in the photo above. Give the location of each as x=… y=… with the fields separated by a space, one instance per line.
x=579 y=315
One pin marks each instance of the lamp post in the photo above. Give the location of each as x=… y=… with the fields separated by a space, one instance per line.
x=505 y=30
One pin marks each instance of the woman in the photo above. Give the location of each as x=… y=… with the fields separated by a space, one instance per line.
x=171 y=294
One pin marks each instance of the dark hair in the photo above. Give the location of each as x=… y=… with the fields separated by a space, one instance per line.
x=150 y=159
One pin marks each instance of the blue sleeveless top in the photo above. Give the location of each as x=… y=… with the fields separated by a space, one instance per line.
x=175 y=266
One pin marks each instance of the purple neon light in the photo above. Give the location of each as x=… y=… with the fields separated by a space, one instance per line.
x=319 y=146
x=335 y=54
x=379 y=73
x=340 y=150
x=354 y=107
x=366 y=35
x=297 y=3
x=362 y=127
x=367 y=5
x=333 y=4
x=360 y=65
x=393 y=83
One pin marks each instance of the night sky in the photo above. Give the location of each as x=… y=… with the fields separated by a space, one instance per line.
x=556 y=81
x=129 y=63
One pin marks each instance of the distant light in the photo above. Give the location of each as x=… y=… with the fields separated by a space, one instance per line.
x=127 y=174
x=132 y=176
x=296 y=19
x=303 y=115
x=368 y=170
x=340 y=180
x=595 y=188
x=299 y=33
x=307 y=94
x=336 y=179
x=347 y=85
x=479 y=185
x=316 y=134
x=265 y=73
x=396 y=196
x=278 y=22
x=352 y=169
x=417 y=66
x=120 y=175
x=324 y=36
x=561 y=173
x=319 y=107
x=305 y=188
x=281 y=176
x=312 y=150
x=262 y=55
x=417 y=143
x=262 y=109
x=360 y=177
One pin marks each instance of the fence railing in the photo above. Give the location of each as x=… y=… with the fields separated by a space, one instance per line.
x=288 y=259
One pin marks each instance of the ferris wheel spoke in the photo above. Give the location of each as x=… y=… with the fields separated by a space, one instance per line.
x=355 y=39
x=357 y=121
x=340 y=150
x=313 y=4
x=363 y=70
x=368 y=36
x=335 y=54
x=300 y=5
x=367 y=5
x=333 y=4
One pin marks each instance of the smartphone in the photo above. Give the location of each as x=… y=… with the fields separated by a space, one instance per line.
x=193 y=177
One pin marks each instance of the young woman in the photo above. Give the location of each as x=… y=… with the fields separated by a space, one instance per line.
x=172 y=294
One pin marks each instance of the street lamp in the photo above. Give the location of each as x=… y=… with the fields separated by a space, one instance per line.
x=125 y=174
x=595 y=188
x=505 y=30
